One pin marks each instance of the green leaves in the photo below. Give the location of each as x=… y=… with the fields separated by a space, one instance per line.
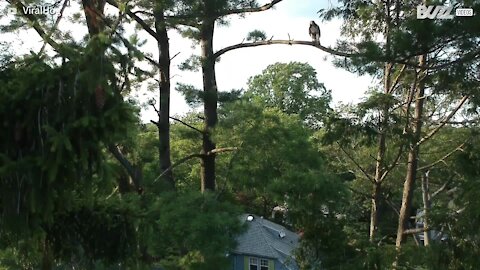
x=294 y=89
x=256 y=35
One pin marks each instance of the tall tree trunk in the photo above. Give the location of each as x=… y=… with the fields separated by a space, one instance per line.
x=426 y=208
x=163 y=124
x=413 y=153
x=374 y=210
x=210 y=104
x=380 y=160
x=94 y=13
x=47 y=258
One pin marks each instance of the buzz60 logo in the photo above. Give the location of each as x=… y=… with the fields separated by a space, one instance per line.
x=442 y=12
x=434 y=12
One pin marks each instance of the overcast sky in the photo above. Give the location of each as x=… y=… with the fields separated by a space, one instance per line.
x=289 y=17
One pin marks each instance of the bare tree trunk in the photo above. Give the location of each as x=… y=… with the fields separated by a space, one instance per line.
x=374 y=211
x=94 y=13
x=413 y=153
x=163 y=124
x=210 y=103
x=426 y=208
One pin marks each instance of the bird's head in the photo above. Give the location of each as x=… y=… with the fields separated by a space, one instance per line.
x=312 y=22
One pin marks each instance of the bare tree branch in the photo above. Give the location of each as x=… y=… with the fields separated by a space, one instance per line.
x=397 y=79
x=284 y=42
x=186 y=124
x=389 y=203
x=394 y=163
x=464 y=58
x=139 y=20
x=187 y=158
x=179 y=162
x=444 y=121
x=369 y=177
x=416 y=230
x=441 y=189
x=442 y=159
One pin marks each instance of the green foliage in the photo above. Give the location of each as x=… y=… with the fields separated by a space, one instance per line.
x=52 y=150
x=277 y=164
x=294 y=89
x=256 y=35
x=193 y=230
x=193 y=63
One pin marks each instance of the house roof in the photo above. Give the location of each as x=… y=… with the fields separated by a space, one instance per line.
x=264 y=238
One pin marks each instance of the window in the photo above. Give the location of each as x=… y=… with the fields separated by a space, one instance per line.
x=258 y=264
x=253 y=264
x=264 y=264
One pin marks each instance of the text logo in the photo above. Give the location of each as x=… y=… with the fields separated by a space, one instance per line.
x=434 y=12
x=46 y=9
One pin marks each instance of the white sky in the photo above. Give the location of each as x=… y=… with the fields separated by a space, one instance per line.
x=290 y=17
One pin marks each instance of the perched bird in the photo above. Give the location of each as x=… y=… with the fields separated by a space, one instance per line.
x=314 y=31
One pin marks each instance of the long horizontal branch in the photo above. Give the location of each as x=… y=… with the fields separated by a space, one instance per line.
x=284 y=42
x=465 y=58
x=416 y=230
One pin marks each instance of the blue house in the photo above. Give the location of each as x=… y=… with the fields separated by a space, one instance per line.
x=264 y=246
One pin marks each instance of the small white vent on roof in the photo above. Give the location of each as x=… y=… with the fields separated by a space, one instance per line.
x=249 y=217
x=281 y=234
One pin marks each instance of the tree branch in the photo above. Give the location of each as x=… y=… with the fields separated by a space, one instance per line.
x=464 y=58
x=139 y=20
x=284 y=42
x=180 y=162
x=416 y=230
x=458 y=148
x=55 y=25
x=396 y=80
x=250 y=10
x=358 y=165
x=221 y=150
x=188 y=125
x=134 y=173
x=394 y=163
x=187 y=158
x=441 y=189
x=444 y=121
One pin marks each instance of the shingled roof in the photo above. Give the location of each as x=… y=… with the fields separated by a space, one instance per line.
x=264 y=238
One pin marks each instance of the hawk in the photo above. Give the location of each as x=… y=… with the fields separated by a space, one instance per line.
x=314 y=31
